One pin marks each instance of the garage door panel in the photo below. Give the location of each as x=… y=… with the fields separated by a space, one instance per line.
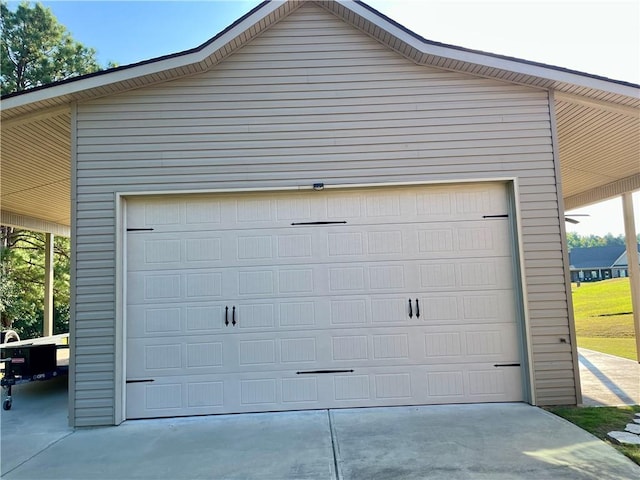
x=173 y=286
x=172 y=319
x=300 y=352
x=165 y=357
x=277 y=391
x=164 y=250
x=163 y=321
x=320 y=279
x=173 y=213
x=498 y=344
x=152 y=360
x=175 y=397
x=314 y=313
x=323 y=244
x=476 y=344
x=257 y=316
x=455 y=274
x=367 y=206
x=493 y=306
x=472 y=383
x=341 y=298
x=464 y=239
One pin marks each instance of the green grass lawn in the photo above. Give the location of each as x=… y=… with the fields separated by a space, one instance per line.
x=621 y=347
x=604 y=322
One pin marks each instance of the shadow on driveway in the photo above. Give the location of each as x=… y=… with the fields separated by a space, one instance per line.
x=608 y=380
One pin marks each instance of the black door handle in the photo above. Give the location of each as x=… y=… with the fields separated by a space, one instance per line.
x=410 y=310
x=226 y=315
x=233 y=315
x=417 y=309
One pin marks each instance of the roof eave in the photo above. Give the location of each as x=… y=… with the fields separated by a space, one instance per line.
x=490 y=60
x=531 y=73
x=181 y=60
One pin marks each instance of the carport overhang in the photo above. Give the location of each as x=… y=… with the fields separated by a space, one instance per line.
x=595 y=120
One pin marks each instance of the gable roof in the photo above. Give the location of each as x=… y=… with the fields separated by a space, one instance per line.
x=409 y=44
x=598 y=119
x=623 y=260
x=417 y=37
x=596 y=257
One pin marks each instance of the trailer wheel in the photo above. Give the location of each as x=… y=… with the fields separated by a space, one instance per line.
x=10 y=336
x=6 y=405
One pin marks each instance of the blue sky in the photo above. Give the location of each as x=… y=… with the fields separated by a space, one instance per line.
x=592 y=36
x=127 y=32
x=600 y=37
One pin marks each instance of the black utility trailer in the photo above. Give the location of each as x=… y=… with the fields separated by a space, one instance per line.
x=31 y=361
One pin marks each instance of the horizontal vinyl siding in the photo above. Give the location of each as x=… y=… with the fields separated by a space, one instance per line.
x=311 y=100
x=94 y=311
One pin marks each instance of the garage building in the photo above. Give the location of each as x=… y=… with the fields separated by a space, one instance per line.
x=316 y=209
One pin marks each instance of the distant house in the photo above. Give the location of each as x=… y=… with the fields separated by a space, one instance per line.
x=592 y=264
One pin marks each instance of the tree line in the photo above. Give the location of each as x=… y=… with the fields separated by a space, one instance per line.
x=35 y=49
x=587 y=241
x=22 y=266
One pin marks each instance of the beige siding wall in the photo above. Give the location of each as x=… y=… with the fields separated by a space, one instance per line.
x=313 y=100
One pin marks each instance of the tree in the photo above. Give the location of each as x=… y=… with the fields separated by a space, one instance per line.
x=22 y=287
x=575 y=240
x=35 y=49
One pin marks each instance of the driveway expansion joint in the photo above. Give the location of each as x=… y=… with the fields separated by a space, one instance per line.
x=336 y=448
x=39 y=452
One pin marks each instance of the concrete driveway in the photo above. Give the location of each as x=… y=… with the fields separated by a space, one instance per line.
x=489 y=441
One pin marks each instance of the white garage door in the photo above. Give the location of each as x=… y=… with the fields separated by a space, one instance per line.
x=305 y=300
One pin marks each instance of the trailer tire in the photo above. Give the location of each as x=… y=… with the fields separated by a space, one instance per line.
x=11 y=336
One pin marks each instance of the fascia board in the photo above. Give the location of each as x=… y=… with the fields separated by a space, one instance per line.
x=491 y=61
x=591 y=267
x=427 y=48
x=618 y=261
